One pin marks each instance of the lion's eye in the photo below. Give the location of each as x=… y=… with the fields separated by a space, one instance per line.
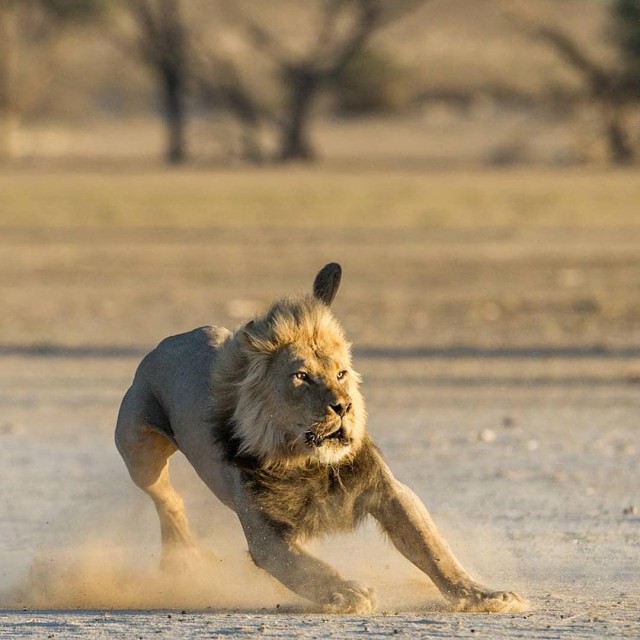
x=302 y=375
x=341 y=375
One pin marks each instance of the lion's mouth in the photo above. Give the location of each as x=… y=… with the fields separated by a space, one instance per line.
x=316 y=440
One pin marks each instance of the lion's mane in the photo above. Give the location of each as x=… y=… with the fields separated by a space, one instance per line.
x=247 y=414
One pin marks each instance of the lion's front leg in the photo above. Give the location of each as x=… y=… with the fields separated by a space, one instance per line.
x=298 y=570
x=306 y=575
x=409 y=525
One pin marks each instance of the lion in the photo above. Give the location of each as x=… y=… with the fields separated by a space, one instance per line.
x=272 y=420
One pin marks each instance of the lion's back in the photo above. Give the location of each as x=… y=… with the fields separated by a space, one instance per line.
x=177 y=373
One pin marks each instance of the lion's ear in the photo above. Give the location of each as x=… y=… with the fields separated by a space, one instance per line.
x=326 y=284
x=247 y=336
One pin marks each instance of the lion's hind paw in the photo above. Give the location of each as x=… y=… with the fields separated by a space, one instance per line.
x=491 y=602
x=350 y=597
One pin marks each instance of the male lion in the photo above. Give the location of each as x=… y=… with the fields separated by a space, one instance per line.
x=272 y=420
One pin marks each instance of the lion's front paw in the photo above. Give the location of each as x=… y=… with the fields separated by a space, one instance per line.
x=479 y=600
x=350 y=597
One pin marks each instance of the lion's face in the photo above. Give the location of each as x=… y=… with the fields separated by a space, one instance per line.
x=320 y=405
x=299 y=401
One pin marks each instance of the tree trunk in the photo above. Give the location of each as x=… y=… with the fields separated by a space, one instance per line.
x=8 y=129
x=8 y=61
x=295 y=143
x=621 y=150
x=175 y=116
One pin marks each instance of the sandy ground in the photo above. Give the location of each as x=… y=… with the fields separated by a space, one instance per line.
x=501 y=371
x=534 y=483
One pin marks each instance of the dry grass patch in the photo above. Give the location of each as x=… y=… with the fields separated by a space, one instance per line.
x=319 y=198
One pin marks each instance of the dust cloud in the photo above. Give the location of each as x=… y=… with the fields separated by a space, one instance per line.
x=99 y=575
x=109 y=559
x=104 y=573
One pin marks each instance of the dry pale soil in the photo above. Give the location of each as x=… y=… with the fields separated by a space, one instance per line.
x=501 y=368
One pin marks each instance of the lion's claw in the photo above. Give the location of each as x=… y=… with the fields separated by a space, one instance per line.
x=350 y=597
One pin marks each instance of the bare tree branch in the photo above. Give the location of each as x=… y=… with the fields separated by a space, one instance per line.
x=330 y=14
x=220 y=79
x=147 y=38
x=263 y=39
x=597 y=76
x=368 y=18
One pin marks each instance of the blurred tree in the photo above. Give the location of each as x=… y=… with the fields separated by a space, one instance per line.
x=73 y=10
x=626 y=15
x=24 y=21
x=613 y=88
x=221 y=85
x=344 y=28
x=162 y=43
x=8 y=63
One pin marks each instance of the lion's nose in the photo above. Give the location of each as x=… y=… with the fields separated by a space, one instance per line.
x=341 y=408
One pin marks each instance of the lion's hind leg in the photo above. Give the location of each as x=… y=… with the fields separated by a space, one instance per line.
x=146 y=453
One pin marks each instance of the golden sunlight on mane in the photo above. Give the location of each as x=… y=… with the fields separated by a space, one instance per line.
x=303 y=320
x=259 y=415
